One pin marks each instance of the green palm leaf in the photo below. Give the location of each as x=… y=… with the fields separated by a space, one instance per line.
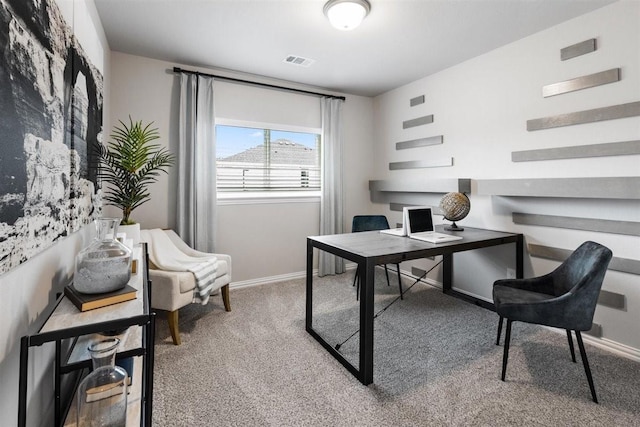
x=130 y=163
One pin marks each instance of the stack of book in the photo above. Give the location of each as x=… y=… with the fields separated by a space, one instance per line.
x=86 y=302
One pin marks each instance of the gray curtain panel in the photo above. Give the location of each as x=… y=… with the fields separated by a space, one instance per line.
x=196 y=210
x=331 y=201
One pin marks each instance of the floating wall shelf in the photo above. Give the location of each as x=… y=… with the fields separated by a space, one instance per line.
x=412 y=191
x=419 y=164
x=612 y=112
x=582 y=82
x=624 y=265
x=415 y=191
x=588 y=224
x=421 y=142
x=424 y=120
x=627 y=188
x=462 y=185
x=623 y=148
x=578 y=49
x=416 y=101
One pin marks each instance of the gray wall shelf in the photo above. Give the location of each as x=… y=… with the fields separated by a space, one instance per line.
x=582 y=82
x=416 y=191
x=623 y=148
x=424 y=120
x=612 y=112
x=416 y=101
x=624 y=265
x=588 y=224
x=462 y=185
x=419 y=164
x=420 y=142
x=627 y=188
x=578 y=49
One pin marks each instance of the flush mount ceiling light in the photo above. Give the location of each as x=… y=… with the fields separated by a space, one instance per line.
x=346 y=14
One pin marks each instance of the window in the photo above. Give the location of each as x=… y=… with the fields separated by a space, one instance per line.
x=264 y=159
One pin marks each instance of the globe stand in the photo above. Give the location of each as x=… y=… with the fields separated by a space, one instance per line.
x=455 y=207
x=454 y=227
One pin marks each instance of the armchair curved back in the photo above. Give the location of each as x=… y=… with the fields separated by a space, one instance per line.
x=580 y=278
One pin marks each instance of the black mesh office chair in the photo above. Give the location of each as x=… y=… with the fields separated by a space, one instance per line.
x=372 y=223
x=565 y=298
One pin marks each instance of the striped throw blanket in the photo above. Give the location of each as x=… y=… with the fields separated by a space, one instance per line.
x=167 y=256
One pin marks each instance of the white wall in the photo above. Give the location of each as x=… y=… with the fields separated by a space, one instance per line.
x=266 y=240
x=482 y=106
x=30 y=288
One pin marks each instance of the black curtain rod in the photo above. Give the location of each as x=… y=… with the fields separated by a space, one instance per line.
x=307 y=92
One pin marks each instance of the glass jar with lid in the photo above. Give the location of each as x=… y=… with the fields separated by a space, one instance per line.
x=104 y=265
x=102 y=395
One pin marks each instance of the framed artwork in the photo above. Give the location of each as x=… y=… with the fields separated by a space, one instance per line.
x=50 y=118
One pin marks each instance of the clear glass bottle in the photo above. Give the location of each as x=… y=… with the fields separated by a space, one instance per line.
x=104 y=265
x=102 y=395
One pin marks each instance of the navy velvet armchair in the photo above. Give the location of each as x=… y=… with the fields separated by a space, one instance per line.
x=565 y=298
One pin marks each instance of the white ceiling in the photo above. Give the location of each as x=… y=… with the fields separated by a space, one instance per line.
x=399 y=42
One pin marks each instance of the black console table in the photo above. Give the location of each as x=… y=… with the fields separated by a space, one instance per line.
x=369 y=249
x=72 y=331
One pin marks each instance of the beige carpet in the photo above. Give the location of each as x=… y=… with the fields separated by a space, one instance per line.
x=436 y=364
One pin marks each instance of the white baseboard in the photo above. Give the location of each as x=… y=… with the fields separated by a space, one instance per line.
x=612 y=346
x=603 y=343
x=280 y=278
x=271 y=279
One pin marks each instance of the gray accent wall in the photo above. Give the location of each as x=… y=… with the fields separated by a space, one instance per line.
x=575 y=178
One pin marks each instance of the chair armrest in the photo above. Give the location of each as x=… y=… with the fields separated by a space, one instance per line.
x=165 y=290
x=561 y=312
x=180 y=244
x=541 y=284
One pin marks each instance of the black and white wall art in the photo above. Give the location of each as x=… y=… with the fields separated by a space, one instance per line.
x=50 y=118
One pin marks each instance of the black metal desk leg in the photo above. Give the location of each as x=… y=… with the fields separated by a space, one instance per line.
x=447 y=272
x=309 y=296
x=520 y=257
x=57 y=385
x=148 y=369
x=22 y=385
x=366 y=322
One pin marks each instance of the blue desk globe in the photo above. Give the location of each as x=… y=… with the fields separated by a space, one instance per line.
x=455 y=206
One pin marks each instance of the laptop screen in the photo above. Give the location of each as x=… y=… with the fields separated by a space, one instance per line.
x=420 y=220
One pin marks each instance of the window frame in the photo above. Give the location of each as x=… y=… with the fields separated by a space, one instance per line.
x=267 y=196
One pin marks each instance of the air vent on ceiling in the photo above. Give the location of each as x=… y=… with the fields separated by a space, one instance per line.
x=298 y=60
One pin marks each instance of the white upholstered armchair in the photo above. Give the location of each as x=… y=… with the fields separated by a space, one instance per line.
x=173 y=284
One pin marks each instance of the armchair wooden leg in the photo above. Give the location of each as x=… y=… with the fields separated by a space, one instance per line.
x=225 y=297
x=172 y=317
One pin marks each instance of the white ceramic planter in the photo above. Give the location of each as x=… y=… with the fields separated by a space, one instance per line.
x=132 y=231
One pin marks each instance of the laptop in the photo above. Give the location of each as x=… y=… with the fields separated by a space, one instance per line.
x=419 y=223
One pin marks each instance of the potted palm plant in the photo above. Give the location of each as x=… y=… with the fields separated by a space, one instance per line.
x=129 y=164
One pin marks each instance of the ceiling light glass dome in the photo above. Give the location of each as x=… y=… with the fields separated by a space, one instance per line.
x=346 y=14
